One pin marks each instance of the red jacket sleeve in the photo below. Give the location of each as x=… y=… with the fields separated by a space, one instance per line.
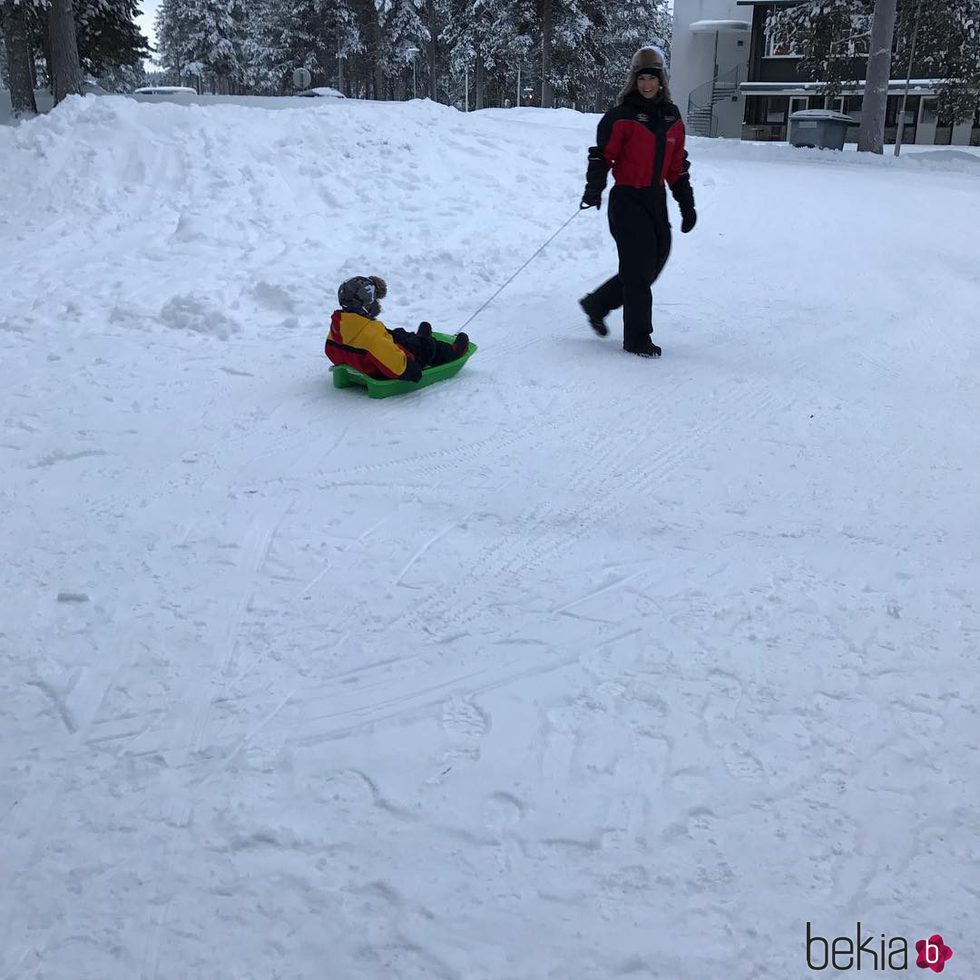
x=677 y=165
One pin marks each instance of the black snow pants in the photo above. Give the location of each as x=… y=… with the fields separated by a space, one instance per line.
x=428 y=351
x=639 y=224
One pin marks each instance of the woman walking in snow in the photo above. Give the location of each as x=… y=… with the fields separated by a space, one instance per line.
x=642 y=141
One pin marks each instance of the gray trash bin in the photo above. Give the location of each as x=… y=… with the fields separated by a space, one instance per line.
x=824 y=129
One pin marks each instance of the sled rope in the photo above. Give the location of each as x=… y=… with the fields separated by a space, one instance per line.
x=521 y=269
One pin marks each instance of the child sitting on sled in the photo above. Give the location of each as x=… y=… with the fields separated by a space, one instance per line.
x=360 y=340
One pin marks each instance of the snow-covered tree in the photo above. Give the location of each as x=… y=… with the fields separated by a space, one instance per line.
x=574 y=59
x=4 y=76
x=834 y=40
x=871 y=136
x=403 y=31
x=215 y=38
x=947 y=46
x=282 y=36
x=108 y=36
x=375 y=48
x=486 y=40
x=204 y=39
x=15 y=22
x=50 y=26
x=172 y=25
x=630 y=26
x=64 y=65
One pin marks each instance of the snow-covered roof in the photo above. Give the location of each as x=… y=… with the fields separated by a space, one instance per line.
x=916 y=85
x=719 y=26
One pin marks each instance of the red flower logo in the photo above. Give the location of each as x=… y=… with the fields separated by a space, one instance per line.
x=933 y=953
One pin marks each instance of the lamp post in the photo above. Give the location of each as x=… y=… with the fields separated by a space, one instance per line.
x=908 y=82
x=413 y=53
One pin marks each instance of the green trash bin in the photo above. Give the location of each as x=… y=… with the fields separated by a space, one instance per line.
x=822 y=129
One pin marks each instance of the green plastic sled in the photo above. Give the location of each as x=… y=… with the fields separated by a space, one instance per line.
x=344 y=376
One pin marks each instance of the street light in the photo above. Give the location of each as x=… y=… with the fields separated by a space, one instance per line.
x=908 y=81
x=413 y=54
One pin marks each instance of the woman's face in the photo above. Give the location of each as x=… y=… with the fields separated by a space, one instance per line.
x=648 y=85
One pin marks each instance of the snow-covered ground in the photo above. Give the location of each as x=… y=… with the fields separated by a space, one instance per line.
x=577 y=666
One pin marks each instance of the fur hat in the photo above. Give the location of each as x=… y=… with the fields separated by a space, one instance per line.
x=647 y=58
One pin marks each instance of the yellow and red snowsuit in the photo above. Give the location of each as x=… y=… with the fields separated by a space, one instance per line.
x=370 y=347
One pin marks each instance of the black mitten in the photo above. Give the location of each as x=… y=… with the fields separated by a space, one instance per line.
x=684 y=196
x=595 y=179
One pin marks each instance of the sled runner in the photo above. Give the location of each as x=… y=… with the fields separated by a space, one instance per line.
x=344 y=376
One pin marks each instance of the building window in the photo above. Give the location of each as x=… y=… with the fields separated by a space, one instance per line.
x=776 y=108
x=858 y=43
x=930 y=112
x=781 y=50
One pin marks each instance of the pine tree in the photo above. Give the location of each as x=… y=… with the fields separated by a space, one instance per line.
x=871 y=137
x=489 y=39
x=64 y=65
x=403 y=31
x=832 y=36
x=215 y=38
x=283 y=36
x=108 y=36
x=173 y=31
x=376 y=48
x=16 y=26
x=629 y=26
x=947 y=46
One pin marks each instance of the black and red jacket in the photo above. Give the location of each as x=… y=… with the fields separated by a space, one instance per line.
x=642 y=142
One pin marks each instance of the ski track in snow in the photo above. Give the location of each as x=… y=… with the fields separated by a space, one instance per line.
x=573 y=667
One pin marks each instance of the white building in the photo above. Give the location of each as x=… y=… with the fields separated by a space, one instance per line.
x=709 y=58
x=729 y=80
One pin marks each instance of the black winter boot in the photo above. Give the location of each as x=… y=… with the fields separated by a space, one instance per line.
x=595 y=317
x=461 y=344
x=645 y=349
x=425 y=329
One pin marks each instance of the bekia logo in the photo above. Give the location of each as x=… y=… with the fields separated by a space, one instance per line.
x=933 y=953
x=867 y=952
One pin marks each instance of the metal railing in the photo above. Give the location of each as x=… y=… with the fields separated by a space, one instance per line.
x=701 y=118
